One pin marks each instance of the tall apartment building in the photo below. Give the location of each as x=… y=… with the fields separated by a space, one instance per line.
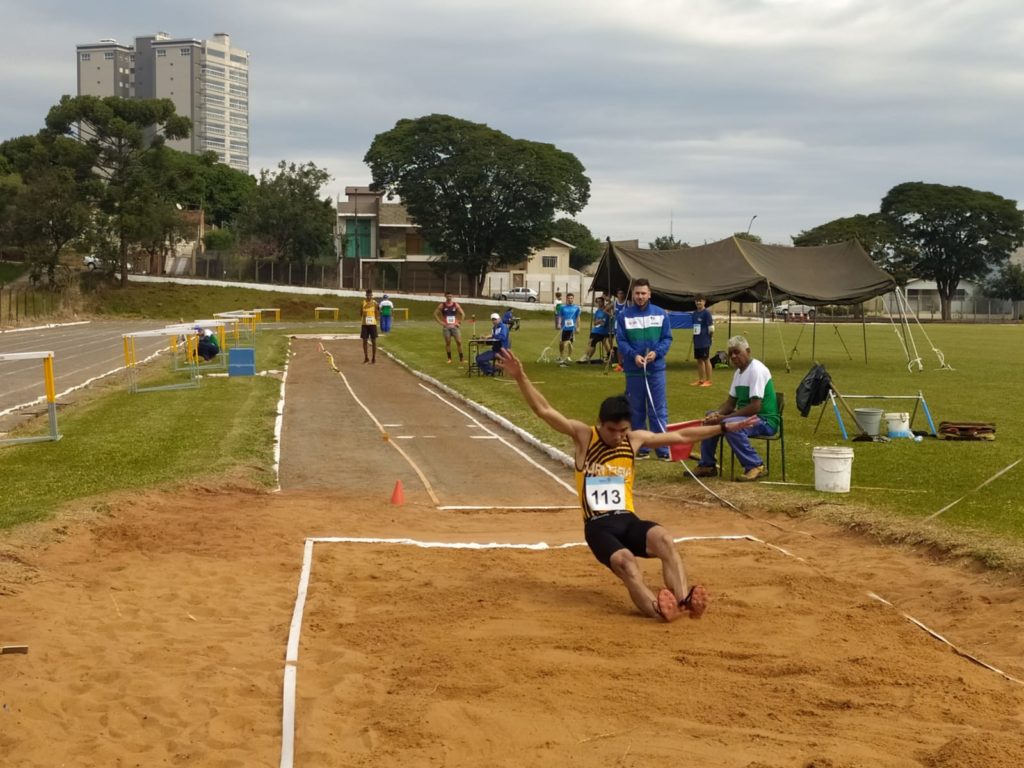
x=208 y=81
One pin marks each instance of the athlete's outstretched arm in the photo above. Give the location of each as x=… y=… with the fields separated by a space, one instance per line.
x=513 y=367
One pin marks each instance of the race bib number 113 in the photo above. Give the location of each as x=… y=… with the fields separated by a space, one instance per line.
x=605 y=494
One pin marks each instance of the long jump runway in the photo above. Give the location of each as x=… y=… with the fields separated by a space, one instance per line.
x=334 y=429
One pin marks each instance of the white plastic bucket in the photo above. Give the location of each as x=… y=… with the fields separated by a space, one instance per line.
x=869 y=420
x=832 y=466
x=899 y=424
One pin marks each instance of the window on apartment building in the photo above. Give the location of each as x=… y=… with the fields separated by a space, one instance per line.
x=185 y=51
x=86 y=57
x=160 y=52
x=239 y=90
x=549 y=262
x=215 y=53
x=109 y=55
x=239 y=59
x=217 y=128
x=241 y=146
x=241 y=104
x=357 y=239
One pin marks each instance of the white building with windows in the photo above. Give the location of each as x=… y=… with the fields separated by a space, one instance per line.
x=208 y=81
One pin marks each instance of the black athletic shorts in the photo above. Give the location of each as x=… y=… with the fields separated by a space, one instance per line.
x=701 y=353
x=597 y=338
x=607 y=535
x=568 y=334
x=368 y=332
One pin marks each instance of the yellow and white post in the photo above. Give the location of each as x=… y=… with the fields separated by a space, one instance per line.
x=50 y=389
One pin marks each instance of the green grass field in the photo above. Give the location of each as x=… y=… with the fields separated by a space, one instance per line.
x=916 y=479
x=113 y=440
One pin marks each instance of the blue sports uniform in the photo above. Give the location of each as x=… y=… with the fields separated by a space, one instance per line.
x=569 y=317
x=639 y=331
x=500 y=340
x=702 y=324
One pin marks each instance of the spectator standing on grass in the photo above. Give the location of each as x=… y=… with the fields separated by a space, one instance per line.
x=499 y=339
x=752 y=393
x=618 y=306
x=703 y=330
x=510 y=320
x=369 y=314
x=644 y=336
x=387 y=307
x=449 y=316
x=558 y=309
x=569 y=316
x=604 y=463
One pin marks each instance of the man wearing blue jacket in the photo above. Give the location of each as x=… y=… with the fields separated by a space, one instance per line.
x=644 y=335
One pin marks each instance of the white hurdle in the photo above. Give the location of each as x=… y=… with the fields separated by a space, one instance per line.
x=51 y=396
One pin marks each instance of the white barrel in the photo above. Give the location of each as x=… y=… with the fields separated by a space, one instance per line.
x=898 y=424
x=869 y=420
x=832 y=467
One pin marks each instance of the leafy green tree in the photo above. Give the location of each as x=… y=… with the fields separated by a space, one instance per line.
x=1007 y=283
x=586 y=248
x=124 y=137
x=480 y=197
x=201 y=182
x=748 y=236
x=53 y=207
x=286 y=219
x=667 y=243
x=958 y=233
x=876 y=235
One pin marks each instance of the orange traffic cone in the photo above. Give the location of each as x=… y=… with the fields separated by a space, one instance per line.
x=397 y=495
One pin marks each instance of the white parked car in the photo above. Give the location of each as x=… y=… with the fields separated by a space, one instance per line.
x=519 y=294
x=792 y=308
x=92 y=262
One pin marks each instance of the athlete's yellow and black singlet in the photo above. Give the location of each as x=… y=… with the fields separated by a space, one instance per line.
x=369 y=312
x=605 y=481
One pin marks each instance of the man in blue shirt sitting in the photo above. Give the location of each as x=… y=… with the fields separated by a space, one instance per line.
x=499 y=340
x=599 y=332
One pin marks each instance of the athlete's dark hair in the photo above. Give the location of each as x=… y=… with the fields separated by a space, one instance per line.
x=615 y=408
x=641 y=281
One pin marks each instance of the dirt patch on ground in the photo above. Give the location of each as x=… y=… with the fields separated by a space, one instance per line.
x=157 y=626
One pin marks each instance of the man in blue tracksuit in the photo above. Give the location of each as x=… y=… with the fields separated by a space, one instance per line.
x=499 y=341
x=644 y=335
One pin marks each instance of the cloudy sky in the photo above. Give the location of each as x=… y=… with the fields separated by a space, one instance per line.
x=690 y=114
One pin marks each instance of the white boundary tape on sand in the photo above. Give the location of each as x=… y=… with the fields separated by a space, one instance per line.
x=295 y=629
x=279 y=420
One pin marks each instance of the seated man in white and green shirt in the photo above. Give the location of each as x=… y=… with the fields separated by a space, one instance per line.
x=752 y=393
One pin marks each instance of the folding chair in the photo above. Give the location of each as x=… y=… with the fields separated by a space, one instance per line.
x=779 y=436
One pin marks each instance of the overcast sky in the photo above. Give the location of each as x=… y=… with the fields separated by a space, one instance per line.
x=690 y=114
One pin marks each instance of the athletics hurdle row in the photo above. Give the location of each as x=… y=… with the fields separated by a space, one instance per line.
x=184 y=348
x=51 y=396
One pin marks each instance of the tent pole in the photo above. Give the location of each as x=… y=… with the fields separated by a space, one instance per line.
x=730 y=318
x=764 y=349
x=814 y=336
x=864 y=328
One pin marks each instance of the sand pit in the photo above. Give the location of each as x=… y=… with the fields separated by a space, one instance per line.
x=157 y=630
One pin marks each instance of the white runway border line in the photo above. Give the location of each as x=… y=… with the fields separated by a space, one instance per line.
x=290 y=677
